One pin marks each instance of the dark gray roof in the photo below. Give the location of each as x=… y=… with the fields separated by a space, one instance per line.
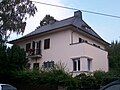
x=49 y=27
x=76 y=21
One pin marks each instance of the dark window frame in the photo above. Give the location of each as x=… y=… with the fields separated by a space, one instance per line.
x=48 y=64
x=38 y=47
x=80 y=40
x=74 y=65
x=47 y=43
x=36 y=65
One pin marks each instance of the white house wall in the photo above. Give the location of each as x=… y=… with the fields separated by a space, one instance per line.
x=77 y=35
x=62 y=50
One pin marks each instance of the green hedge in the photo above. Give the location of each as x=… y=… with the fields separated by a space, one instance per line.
x=61 y=78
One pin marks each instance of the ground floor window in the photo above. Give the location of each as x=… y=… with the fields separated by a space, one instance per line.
x=36 y=66
x=89 y=64
x=48 y=64
x=76 y=64
x=82 y=64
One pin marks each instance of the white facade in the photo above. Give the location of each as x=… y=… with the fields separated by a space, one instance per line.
x=65 y=48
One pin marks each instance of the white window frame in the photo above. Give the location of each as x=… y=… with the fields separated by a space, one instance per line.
x=77 y=66
x=89 y=64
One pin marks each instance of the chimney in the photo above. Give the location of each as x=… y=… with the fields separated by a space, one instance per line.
x=78 y=14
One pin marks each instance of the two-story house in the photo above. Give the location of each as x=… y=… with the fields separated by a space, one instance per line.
x=70 y=41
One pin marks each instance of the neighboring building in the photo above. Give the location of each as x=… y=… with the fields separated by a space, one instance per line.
x=70 y=41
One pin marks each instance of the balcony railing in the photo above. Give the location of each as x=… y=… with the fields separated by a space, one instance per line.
x=34 y=53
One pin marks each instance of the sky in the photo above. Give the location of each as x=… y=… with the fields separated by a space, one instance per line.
x=106 y=27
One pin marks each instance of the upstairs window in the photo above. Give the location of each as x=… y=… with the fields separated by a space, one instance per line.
x=80 y=40
x=46 y=43
x=28 y=46
x=38 y=47
x=96 y=45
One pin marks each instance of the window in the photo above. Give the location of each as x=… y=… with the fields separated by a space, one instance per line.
x=85 y=41
x=96 y=45
x=46 y=43
x=89 y=64
x=76 y=64
x=48 y=64
x=28 y=45
x=80 y=40
x=38 y=48
x=33 y=45
x=36 y=66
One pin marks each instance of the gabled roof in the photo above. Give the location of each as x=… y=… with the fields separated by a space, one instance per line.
x=75 y=21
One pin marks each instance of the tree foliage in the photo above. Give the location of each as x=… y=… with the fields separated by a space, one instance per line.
x=114 y=55
x=11 y=60
x=13 y=15
x=46 y=20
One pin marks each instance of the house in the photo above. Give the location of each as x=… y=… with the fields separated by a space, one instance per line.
x=70 y=41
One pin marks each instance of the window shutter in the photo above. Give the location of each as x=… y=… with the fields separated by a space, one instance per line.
x=33 y=45
x=28 y=45
x=39 y=46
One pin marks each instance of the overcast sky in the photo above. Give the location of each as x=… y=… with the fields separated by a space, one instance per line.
x=106 y=27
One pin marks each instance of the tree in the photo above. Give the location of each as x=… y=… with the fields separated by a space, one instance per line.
x=47 y=20
x=13 y=16
x=11 y=60
x=114 y=55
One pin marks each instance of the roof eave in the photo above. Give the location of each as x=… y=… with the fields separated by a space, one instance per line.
x=57 y=29
x=46 y=32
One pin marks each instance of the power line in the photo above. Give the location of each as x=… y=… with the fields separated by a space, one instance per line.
x=103 y=14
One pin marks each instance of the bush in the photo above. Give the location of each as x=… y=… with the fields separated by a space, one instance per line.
x=51 y=77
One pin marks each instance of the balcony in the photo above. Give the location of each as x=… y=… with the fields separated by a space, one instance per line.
x=34 y=53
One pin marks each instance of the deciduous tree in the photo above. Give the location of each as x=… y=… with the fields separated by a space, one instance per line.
x=46 y=20
x=11 y=60
x=13 y=16
x=114 y=55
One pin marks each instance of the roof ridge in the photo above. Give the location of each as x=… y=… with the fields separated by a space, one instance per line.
x=72 y=21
